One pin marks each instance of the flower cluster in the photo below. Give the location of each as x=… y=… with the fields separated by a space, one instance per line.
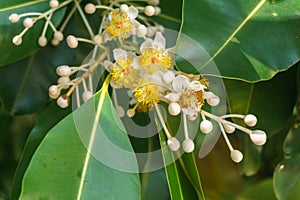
x=144 y=66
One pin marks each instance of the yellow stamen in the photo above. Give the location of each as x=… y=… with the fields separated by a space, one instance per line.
x=120 y=25
x=147 y=95
x=154 y=59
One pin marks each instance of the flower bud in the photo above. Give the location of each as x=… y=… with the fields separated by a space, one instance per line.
x=58 y=35
x=53 y=91
x=90 y=8
x=17 y=40
x=141 y=30
x=28 y=22
x=149 y=11
x=174 y=108
x=250 y=120
x=173 y=143
x=72 y=41
x=86 y=95
x=120 y=111
x=98 y=39
x=14 y=18
x=157 y=10
x=258 y=137
x=153 y=2
x=42 y=41
x=63 y=70
x=130 y=112
x=63 y=101
x=236 y=156
x=124 y=8
x=206 y=126
x=53 y=3
x=54 y=42
x=228 y=128
x=213 y=101
x=188 y=145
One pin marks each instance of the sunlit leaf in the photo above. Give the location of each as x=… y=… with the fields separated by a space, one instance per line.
x=81 y=157
x=249 y=40
x=51 y=116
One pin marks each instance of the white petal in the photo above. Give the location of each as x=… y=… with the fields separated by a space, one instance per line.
x=197 y=86
x=172 y=97
x=107 y=65
x=136 y=63
x=147 y=44
x=159 y=40
x=180 y=82
x=119 y=53
x=132 y=12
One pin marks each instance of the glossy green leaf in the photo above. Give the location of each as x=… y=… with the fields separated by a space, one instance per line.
x=51 y=116
x=9 y=52
x=249 y=40
x=181 y=170
x=262 y=99
x=261 y=190
x=66 y=167
x=24 y=84
x=287 y=173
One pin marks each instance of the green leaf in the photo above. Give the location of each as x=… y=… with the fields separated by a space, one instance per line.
x=287 y=173
x=261 y=190
x=262 y=99
x=51 y=116
x=249 y=40
x=80 y=158
x=8 y=30
x=181 y=169
x=24 y=84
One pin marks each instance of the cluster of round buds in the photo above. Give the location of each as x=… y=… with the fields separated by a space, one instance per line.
x=32 y=17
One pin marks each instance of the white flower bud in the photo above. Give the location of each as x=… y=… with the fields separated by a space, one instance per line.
x=54 y=42
x=151 y=31
x=17 y=40
x=258 y=137
x=90 y=8
x=173 y=143
x=120 y=111
x=236 y=156
x=206 y=126
x=168 y=76
x=213 y=101
x=63 y=80
x=86 y=95
x=130 y=112
x=98 y=39
x=153 y=2
x=149 y=11
x=14 y=18
x=63 y=101
x=124 y=8
x=72 y=41
x=141 y=30
x=58 y=35
x=53 y=3
x=208 y=95
x=63 y=70
x=174 y=108
x=28 y=22
x=53 y=91
x=42 y=41
x=228 y=128
x=188 y=145
x=250 y=120
x=157 y=10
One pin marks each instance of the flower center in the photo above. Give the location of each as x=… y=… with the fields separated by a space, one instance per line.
x=191 y=100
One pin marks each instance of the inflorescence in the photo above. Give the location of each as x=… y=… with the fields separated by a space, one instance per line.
x=142 y=64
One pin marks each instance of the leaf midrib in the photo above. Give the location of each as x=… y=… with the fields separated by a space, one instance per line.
x=21 y=5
